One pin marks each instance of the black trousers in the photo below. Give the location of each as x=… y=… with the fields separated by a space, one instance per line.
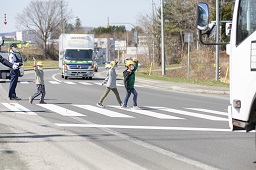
x=14 y=75
x=40 y=90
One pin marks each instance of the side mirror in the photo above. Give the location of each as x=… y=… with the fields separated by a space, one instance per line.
x=202 y=16
x=1 y=41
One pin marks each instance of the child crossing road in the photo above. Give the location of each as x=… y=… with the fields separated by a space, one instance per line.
x=39 y=82
x=110 y=82
x=129 y=81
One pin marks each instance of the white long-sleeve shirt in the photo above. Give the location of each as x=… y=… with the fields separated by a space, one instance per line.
x=12 y=58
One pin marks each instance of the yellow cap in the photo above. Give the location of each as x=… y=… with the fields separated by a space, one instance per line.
x=129 y=62
x=112 y=63
x=39 y=63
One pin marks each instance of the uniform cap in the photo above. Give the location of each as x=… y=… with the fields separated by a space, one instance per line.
x=13 y=45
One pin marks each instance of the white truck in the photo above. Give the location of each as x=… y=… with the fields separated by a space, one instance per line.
x=76 y=55
x=242 y=52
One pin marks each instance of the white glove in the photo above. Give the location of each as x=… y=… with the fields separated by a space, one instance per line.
x=15 y=66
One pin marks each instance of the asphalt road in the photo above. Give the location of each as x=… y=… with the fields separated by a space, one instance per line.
x=173 y=130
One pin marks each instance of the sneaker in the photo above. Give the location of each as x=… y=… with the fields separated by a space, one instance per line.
x=100 y=105
x=15 y=98
x=135 y=108
x=30 y=100
x=42 y=102
x=121 y=104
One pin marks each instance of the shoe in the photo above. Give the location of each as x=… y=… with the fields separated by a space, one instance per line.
x=121 y=104
x=100 y=105
x=30 y=100
x=250 y=127
x=135 y=108
x=15 y=98
x=42 y=102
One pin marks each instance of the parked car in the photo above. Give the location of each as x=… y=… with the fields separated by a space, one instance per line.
x=107 y=65
x=95 y=69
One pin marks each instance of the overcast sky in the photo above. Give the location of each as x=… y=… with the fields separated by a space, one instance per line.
x=93 y=13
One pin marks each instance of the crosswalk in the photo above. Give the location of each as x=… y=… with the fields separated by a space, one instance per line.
x=75 y=83
x=112 y=111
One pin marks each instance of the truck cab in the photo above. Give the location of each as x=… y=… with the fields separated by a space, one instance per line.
x=76 y=55
x=242 y=52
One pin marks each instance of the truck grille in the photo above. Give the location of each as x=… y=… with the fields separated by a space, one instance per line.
x=78 y=67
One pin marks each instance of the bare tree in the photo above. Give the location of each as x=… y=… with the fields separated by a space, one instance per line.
x=43 y=18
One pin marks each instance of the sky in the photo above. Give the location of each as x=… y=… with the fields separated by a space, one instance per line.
x=92 y=13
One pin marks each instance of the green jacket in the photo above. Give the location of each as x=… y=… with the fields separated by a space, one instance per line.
x=129 y=77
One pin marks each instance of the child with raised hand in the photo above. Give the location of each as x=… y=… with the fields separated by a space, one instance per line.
x=38 y=67
x=129 y=81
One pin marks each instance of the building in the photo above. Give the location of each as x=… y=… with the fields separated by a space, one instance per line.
x=104 y=49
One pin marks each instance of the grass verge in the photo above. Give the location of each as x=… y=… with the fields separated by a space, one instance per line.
x=184 y=80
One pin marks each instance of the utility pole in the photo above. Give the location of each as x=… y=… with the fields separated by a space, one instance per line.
x=217 y=41
x=162 y=35
x=62 y=18
x=153 y=31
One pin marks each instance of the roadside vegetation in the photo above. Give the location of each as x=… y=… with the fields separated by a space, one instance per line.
x=180 y=17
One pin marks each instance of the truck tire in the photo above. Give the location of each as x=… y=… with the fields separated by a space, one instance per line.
x=90 y=78
x=3 y=75
x=65 y=77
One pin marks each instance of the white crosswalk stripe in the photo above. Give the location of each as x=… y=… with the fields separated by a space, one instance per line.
x=198 y=115
x=103 y=111
x=209 y=111
x=17 y=108
x=24 y=82
x=69 y=82
x=60 y=110
x=150 y=113
x=54 y=82
x=85 y=83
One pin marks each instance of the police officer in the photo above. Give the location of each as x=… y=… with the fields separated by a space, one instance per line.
x=14 y=73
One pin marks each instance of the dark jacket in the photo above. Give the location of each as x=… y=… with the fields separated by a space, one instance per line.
x=129 y=77
x=5 y=62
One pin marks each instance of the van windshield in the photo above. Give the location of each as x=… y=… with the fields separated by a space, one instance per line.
x=76 y=54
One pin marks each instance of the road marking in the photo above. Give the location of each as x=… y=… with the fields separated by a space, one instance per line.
x=85 y=83
x=190 y=114
x=119 y=85
x=209 y=111
x=17 y=108
x=24 y=82
x=69 y=82
x=98 y=84
x=143 y=127
x=60 y=110
x=149 y=113
x=53 y=76
x=103 y=111
x=54 y=82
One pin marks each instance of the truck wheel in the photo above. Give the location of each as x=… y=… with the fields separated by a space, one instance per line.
x=90 y=78
x=4 y=75
x=65 y=77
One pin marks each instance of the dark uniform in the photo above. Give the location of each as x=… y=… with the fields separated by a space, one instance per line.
x=14 y=74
